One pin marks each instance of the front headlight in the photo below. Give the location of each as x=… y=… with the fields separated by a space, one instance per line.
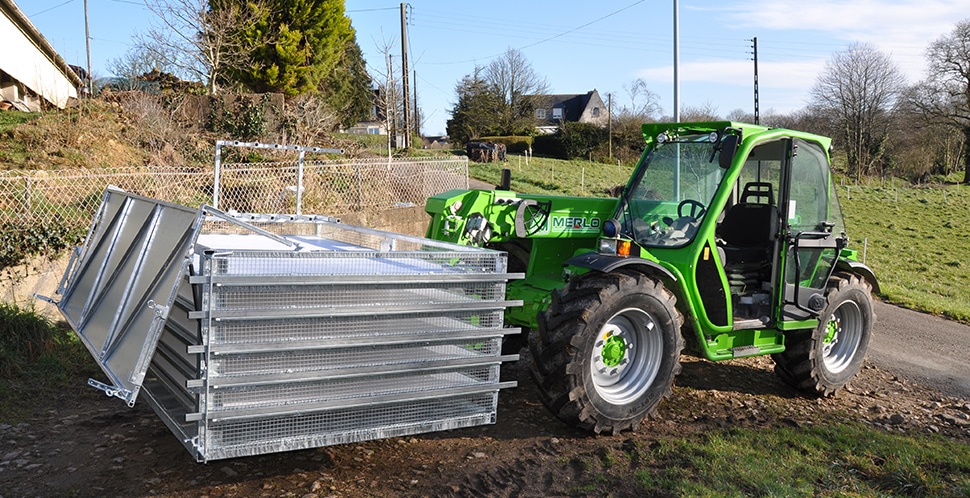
x=607 y=246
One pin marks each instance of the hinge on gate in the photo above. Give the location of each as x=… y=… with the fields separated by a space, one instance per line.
x=159 y=309
x=45 y=298
x=110 y=390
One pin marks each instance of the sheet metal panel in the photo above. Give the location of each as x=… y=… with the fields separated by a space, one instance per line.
x=124 y=283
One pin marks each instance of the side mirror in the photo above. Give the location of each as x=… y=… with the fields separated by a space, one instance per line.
x=729 y=146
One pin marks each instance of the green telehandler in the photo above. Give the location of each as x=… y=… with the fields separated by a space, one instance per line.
x=727 y=241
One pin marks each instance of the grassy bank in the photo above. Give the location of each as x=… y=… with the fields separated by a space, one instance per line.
x=38 y=357
x=916 y=241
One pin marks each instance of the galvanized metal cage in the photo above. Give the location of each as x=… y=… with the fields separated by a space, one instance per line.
x=252 y=334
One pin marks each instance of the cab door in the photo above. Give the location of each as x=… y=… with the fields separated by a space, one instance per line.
x=813 y=228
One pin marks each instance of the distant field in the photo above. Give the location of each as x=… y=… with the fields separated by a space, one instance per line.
x=918 y=243
x=540 y=175
x=917 y=240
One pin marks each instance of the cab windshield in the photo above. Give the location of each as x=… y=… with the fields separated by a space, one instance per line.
x=669 y=197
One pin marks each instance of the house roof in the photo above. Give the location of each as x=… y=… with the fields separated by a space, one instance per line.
x=573 y=105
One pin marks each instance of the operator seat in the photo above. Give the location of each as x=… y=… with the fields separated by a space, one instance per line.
x=749 y=227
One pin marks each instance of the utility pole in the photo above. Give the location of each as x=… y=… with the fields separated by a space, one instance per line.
x=757 y=112
x=417 y=115
x=87 y=42
x=392 y=108
x=404 y=76
x=676 y=61
x=609 y=119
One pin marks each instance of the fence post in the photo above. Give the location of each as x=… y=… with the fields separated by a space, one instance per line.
x=27 y=196
x=299 y=184
x=360 y=187
x=217 y=175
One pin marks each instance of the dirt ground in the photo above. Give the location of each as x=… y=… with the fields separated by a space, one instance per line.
x=80 y=443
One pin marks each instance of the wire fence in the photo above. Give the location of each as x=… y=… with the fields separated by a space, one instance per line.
x=337 y=187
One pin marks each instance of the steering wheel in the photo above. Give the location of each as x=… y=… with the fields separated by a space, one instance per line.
x=697 y=209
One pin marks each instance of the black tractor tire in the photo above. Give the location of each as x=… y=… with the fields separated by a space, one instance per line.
x=822 y=360
x=607 y=350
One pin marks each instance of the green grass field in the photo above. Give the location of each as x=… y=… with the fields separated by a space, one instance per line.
x=539 y=175
x=917 y=240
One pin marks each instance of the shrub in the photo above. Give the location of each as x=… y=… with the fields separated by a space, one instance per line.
x=17 y=242
x=25 y=336
x=515 y=144
x=549 y=146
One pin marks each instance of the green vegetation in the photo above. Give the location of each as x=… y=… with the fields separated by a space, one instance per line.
x=13 y=152
x=10 y=119
x=38 y=357
x=915 y=239
x=539 y=175
x=35 y=349
x=19 y=242
x=834 y=460
x=314 y=49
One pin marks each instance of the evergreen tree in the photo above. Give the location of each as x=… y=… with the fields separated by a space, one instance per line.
x=347 y=89
x=478 y=110
x=304 y=46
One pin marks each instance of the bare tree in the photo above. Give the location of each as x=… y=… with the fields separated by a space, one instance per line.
x=388 y=106
x=134 y=63
x=197 y=41
x=644 y=103
x=513 y=78
x=857 y=91
x=944 y=96
x=642 y=106
x=704 y=112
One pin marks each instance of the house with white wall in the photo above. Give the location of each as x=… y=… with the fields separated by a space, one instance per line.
x=32 y=74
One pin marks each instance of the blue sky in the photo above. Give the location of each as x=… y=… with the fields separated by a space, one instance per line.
x=582 y=45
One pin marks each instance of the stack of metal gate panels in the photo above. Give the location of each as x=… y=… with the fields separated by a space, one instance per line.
x=287 y=332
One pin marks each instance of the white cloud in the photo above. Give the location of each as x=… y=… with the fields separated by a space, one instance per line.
x=901 y=28
x=796 y=75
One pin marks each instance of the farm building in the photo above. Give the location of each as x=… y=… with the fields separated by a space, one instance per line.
x=32 y=74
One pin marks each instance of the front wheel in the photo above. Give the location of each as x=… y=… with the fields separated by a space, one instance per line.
x=607 y=350
x=825 y=359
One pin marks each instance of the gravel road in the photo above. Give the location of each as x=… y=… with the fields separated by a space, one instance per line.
x=922 y=348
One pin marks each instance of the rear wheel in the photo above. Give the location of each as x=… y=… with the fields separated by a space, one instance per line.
x=825 y=359
x=607 y=350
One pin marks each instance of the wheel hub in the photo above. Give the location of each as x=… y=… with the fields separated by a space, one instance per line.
x=614 y=349
x=831 y=337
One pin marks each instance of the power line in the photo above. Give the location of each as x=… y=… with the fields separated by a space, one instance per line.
x=367 y=10
x=51 y=8
x=549 y=38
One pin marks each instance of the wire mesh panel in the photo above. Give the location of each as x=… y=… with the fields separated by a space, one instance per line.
x=337 y=187
x=234 y=438
x=70 y=197
x=290 y=331
x=316 y=333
